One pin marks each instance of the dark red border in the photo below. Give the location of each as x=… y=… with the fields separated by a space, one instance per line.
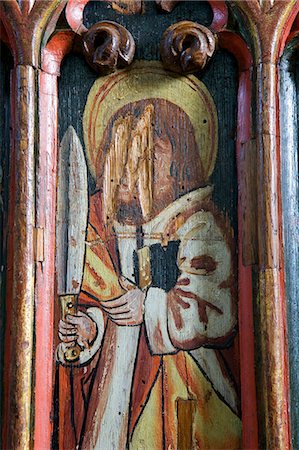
x=237 y=47
x=58 y=47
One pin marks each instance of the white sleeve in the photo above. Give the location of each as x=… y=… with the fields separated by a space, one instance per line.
x=200 y=309
x=155 y=316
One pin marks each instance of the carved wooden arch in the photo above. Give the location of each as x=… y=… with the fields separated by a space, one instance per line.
x=53 y=54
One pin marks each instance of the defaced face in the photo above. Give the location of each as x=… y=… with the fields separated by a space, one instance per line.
x=128 y=201
x=173 y=163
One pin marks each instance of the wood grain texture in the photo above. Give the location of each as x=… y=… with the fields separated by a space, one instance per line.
x=289 y=85
x=108 y=46
x=57 y=48
x=45 y=291
x=221 y=72
x=72 y=210
x=5 y=199
x=266 y=45
x=186 y=47
x=28 y=25
x=269 y=24
x=21 y=292
x=45 y=288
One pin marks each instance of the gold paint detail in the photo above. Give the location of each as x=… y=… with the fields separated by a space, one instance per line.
x=68 y=305
x=185 y=417
x=19 y=413
x=38 y=244
x=214 y=425
x=145 y=278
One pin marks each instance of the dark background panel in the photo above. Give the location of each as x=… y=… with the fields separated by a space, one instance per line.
x=147 y=28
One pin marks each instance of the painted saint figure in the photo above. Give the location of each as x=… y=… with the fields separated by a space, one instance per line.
x=158 y=301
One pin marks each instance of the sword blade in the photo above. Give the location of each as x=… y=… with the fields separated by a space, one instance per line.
x=72 y=212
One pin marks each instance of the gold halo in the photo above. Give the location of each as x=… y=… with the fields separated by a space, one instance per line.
x=148 y=80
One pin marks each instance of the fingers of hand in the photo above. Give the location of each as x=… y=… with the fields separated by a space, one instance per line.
x=117 y=310
x=65 y=325
x=82 y=342
x=121 y=301
x=74 y=320
x=68 y=332
x=66 y=329
x=67 y=338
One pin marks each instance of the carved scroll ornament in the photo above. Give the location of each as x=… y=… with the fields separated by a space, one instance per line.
x=186 y=47
x=107 y=46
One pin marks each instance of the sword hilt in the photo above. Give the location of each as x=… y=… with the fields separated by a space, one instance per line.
x=68 y=305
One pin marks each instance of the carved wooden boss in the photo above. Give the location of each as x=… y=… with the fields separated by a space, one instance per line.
x=144 y=222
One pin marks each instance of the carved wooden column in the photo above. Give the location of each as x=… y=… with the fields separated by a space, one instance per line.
x=25 y=25
x=269 y=23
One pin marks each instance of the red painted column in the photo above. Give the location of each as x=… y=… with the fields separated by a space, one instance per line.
x=45 y=299
x=235 y=45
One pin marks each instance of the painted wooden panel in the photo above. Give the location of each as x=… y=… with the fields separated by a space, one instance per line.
x=147 y=355
x=266 y=25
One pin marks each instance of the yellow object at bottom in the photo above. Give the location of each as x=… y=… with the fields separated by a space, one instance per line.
x=207 y=423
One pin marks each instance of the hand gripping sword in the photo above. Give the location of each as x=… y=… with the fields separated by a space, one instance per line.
x=72 y=212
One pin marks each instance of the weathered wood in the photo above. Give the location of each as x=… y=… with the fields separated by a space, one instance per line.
x=107 y=46
x=269 y=21
x=269 y=24
x=246 y=234
x=5 y=156
x=45 y=290
x=21 y=290
x=27 y=26
x=289 y=89
x=72 y=210
x=186 y=47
